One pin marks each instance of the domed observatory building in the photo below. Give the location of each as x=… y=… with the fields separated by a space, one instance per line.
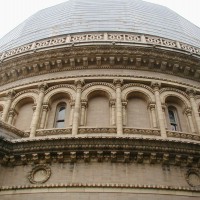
x=100 y=100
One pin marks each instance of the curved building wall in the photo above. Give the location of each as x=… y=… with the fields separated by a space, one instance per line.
x=104 y=115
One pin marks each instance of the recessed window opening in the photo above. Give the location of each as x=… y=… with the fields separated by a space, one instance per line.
x=60 y=116
x=173 y=118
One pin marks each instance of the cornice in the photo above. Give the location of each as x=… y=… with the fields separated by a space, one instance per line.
x=100 y=57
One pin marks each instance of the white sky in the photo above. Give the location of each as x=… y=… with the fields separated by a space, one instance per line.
x=13 y=12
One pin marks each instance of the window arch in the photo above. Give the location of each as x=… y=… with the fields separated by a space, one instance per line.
x=173 y=118
x=60 y=115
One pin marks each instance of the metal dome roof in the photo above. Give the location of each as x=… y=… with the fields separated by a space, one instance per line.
x=75 y=16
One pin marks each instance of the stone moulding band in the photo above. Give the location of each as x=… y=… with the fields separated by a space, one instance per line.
x=118 y=38
x=100 y=185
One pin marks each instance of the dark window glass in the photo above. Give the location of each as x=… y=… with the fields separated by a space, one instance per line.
x=173 y=119
x=60 y=116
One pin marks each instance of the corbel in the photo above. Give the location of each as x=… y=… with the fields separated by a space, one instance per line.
x=190 y=160
x=126 y=156
x=186 y=71
x=113 y=156
x=47 y=65
x=47 y=157
x=178 y=160
x=140 y=157
x=35 y=158
x=60 y=156
x=23 y=159
x=163 y=65
x=59 y=63
x=86 y=156
x=85 y=61
x=100 y=156
x=138 y=62
x=98 y=61
x=153 y=157
x=175 y=68
x=73 y=156
x=165 y=158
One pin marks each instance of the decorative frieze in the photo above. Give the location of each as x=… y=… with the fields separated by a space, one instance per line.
x=155 y=132
x=46 y=132
x=100 y=37
x=97 y=130
x=175 y=134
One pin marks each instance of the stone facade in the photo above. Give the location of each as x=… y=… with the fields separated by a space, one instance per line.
x=100 y=116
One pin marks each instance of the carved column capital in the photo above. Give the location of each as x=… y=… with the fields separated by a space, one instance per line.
x=72 y=103
x=84 y=103
x=188 y=111
x=79 y=83
x=156 y=85
x=34 y=107
x=11 y=94
x=118 y=82
x=124 y=103
x=152 y=105
x=42 y=87
x=12 y=112
x=45 y=106
x=112 y=102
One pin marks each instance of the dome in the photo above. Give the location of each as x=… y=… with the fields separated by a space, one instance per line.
x=100 y=100
x=75 y=16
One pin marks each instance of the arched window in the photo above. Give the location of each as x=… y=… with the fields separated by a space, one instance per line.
x=173 y=118
x=60 y=116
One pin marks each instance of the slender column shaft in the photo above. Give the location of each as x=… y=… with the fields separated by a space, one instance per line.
x=191 y=124
x=10 y=95
x=195 y=111
x=119 y=107
x=124 y=104
x=11 y=116
x=112 y=107
x=71 y=113
x=36 y=114
x=164 y=115
x=161 y=119
x=153 y=115
x=76 y=117
x=44 y=115
x=83 y=109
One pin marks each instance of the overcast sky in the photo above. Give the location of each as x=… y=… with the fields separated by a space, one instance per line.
x=13 y=12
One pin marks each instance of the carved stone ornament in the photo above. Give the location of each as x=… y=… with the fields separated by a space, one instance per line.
x=193 y=177
x=39 y=174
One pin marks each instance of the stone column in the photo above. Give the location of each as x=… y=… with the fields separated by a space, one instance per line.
x=124 y=105
x=112 y=107
x=118 y=83
x=164 y=107
x=191 y=92
x=152 y=108
x=188 y=112
x=161 y=119
x=10 y=96
x=83 y=109
x=76 y=117
x=11 y=115
x=45 y=109
x=72 y=103
x=36 y=114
